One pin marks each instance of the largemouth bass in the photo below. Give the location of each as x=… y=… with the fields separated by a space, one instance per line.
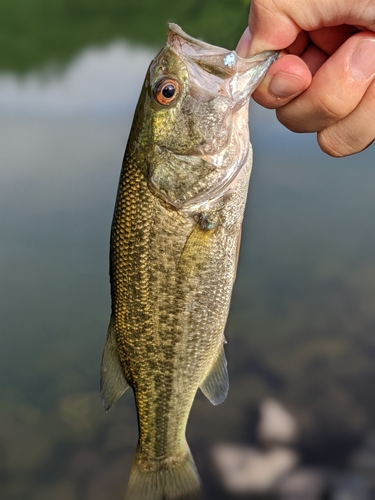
x=174 y=248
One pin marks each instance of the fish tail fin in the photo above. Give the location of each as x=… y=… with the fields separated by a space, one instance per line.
x=173 y=478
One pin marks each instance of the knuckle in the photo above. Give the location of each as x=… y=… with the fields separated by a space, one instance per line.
x=331 y=108
x=332 y=143
x=305 y=115
x=259 y=7
x=352 y=134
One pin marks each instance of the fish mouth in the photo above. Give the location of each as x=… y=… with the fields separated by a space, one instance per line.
x=177 y=35
x=218 y=70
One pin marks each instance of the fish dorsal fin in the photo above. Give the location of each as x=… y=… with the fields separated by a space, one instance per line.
x=112 y=379
x=216 y=385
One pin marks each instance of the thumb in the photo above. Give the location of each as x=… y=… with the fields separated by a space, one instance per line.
x=276 y=24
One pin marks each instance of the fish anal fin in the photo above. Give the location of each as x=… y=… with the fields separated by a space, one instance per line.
x=112 y=379
x=216 y=384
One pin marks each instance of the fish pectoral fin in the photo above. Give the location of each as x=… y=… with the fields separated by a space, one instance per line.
x=216 y=385
x=112 y=379
x=196 y=251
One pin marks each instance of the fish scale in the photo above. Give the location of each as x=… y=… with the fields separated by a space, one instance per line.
x=174 y=248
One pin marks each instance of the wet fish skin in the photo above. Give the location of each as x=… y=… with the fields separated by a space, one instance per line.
x=174 y=247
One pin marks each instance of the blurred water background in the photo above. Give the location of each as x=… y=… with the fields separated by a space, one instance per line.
x=299 y=422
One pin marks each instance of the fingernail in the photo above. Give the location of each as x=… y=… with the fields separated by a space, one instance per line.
x=243 y=45
x=362 y=61
x=286 y=85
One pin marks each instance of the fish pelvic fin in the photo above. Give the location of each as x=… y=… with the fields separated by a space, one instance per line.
x=173 y=478
x=112 y=379
x=216 y=384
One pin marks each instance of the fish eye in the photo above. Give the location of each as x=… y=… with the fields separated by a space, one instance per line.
x=166 y=91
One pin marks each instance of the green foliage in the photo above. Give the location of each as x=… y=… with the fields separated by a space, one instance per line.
x=34 y=32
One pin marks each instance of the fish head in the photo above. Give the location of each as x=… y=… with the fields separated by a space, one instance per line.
x=196 y=103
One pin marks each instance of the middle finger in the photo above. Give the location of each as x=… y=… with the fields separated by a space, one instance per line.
x=336 y=89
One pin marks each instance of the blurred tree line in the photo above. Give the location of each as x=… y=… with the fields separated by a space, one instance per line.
x=34 y=32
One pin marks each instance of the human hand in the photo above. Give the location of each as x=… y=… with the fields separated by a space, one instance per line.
x=324 y=79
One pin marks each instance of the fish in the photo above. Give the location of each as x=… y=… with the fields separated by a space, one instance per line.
x=174 y=248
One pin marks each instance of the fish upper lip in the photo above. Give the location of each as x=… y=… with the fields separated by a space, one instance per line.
x=176 y=32
x=175 y=29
